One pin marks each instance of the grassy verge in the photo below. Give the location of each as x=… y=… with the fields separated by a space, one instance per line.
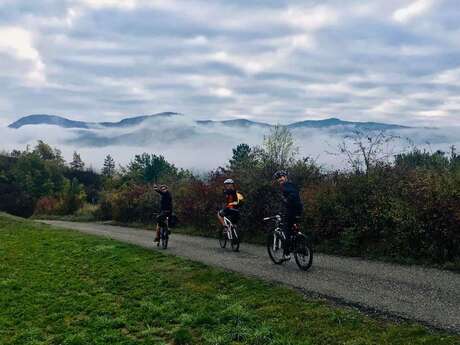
x=67 y=218
x=62 y=287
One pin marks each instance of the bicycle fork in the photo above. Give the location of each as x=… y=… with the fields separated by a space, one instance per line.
x=275 y=239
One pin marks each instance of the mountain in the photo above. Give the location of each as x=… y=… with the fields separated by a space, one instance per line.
x=42 y=119
x=334 y=122
x=133 y=121
x=235 y=123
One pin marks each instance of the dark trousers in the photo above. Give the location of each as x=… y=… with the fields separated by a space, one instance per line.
x=161 y=219
x=289 y=219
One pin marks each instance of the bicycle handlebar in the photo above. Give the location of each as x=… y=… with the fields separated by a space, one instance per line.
x=278 y=217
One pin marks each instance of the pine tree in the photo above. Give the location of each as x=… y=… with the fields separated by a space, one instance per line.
x=109 y=167
x=44 y=151
x=241 y=156
x=77 y=163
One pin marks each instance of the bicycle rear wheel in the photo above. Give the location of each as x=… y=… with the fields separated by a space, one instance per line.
x=164 y=238
x=303 y=252
x=275 y=243
x=235 y=240
x=222 y=239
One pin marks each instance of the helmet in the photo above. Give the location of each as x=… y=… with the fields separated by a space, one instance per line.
x=229 y=181
x=279 y=174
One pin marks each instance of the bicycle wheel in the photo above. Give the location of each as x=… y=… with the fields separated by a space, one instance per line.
x=164 y=238
x=222 y=239
x=275 y=249
x=235 y=241
x=303 y=252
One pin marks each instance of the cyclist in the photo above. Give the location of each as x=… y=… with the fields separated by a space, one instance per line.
x=232 y=201
x=166 y=208
x=292 y=207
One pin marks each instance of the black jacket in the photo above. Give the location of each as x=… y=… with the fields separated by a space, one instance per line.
x=291 y=199
x=166 y=203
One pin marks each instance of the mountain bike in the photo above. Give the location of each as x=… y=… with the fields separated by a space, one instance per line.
x=300 y=245
x=164 y=234
x=230 y=234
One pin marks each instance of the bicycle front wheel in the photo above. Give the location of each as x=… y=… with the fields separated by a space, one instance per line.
x=275 y=244
x=303 y=252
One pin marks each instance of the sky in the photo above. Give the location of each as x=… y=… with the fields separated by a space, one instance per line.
x=395 y=61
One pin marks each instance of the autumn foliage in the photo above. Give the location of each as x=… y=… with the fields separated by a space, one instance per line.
x=403 y=208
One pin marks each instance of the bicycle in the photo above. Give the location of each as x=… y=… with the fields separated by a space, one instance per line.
x=300 y=245
x=164 y=235
x=229 y=234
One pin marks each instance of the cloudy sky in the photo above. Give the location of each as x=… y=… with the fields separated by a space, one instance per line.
x=278 y=61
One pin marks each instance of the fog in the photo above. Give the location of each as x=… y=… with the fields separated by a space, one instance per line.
x=201 y=148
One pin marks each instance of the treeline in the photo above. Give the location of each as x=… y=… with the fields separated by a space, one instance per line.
x=406 y=206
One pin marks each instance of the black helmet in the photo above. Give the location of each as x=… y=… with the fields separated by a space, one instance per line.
x=279 y=174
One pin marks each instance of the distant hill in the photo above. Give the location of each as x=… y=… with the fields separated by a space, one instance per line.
x=333 y=122
x=43 y=119
x=235 y=123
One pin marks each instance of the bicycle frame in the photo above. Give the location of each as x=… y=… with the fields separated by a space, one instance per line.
x=164 y=234
x=299 y=244
x=167 y=224
x=230 y=228
x=279 y=230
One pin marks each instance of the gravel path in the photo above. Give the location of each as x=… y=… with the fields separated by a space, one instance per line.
x=426 y=295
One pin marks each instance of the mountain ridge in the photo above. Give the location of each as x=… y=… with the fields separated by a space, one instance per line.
x=56 y=120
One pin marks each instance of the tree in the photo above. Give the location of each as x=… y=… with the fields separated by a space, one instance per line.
x=73 y=196
x=58 y=157
x=77 y=163
x=279 y=150
x=241 y=157
x=37 y=176
x=109 y=167
x=150 y=168
x=44 y=151
x=364 y=150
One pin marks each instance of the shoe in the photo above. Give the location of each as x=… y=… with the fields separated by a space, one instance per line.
x=286 y=257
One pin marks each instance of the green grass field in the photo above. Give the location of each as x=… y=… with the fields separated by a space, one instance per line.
x=62 y=287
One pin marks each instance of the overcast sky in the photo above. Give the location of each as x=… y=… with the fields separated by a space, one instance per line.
x=393 y=61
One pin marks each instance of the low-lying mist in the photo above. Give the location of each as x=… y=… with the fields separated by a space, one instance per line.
x=203 y=147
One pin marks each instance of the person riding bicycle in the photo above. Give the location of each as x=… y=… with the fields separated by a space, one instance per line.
x=292 y=207
x=232 y=202
x=166 y=208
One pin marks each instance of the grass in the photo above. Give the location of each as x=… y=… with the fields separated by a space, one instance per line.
x=66 y=218
x=62 y=287
x=84 y=214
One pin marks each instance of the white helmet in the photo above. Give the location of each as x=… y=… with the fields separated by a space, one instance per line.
x=229 y=181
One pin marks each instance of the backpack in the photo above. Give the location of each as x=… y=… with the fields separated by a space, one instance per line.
x=240 y=198
x=173 y=221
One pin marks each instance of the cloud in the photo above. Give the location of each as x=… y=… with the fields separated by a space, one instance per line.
x=415 y=9
x=18 y=42
x=202 y=148
x=275 y=61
